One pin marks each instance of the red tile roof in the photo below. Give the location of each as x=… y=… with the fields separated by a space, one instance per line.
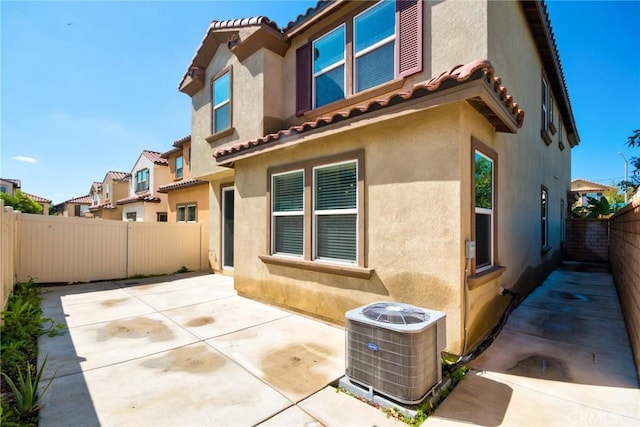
x=185 y=183
x=459 y=74
x=155 y=157
x=180 y=142
x=82 y=200
x=231 y=24
x=36 y=198
x=143 y=197
x=102 y=206
x=119 y=176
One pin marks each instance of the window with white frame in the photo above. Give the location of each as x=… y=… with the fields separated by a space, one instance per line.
x=221 y=97
x=329 y=67
x=323 y=198
x=374 y=46
x=179 y=167
x=545 y=105
x=563 y=222
x=106 y=191
x=544 y=217
x=142 y=180
x=287 y=213
x=186 y=213
x=484 y=187
x=335 y=212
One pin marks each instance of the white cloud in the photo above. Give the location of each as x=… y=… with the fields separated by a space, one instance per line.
x=25 y=159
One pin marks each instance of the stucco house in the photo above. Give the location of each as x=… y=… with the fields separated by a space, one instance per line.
x=9 y=186
x=114 y=186
x=77 y=206
x=360 y=148
x=43 y=202
x=144 y=203
x=584 y=189
x=187 y=197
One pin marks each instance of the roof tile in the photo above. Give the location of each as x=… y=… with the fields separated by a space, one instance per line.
x=180 y=184
x=155 y=157
x=458 y=74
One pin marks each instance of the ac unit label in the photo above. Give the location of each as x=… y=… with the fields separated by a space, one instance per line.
x=372 y=346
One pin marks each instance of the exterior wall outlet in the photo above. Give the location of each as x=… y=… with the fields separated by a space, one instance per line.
x=469 y=249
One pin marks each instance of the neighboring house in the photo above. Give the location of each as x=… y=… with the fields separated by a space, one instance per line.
x=367 y=144
x=9 y=186
x=114 y=186
x=78 y=206
x=584 y=189
x=187 y=197
x=44 y=203
x=143 y=202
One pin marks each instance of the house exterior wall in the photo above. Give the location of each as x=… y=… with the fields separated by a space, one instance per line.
x=418 y=176
x=413 y=235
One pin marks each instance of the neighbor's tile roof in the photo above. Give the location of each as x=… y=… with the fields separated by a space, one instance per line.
x=143 y=197
x=230 y=24
x=119 y=176
x=456 y=75
x=584 y=185
x=36 y=198
x=191 y=182
x=82 y=200
x=178 y=144
x=155 y=157
x=102 y=206
x=307 y=14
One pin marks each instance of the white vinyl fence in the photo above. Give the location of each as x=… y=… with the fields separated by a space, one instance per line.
x=60 y=249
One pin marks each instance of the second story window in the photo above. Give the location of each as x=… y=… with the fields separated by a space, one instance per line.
x=546 y=111
x=329 y=67
x=374 y=46
x=142 y=180
x=368 y=48
x=179 y=167
x=106 y=191
x=95 y=199
x=221 y=97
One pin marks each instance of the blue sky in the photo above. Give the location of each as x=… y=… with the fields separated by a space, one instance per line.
x=86 y=86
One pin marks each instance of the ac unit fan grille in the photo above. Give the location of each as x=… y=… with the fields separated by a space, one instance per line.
x=400 y=365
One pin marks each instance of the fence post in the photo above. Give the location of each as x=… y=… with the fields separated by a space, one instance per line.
x=130 y=249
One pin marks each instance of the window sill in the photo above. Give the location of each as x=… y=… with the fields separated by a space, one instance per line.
x=476 y=280
x=219 y=135
x=544 y=250
x=545 y=136
x=341 y=270
x=354 y=99
x=178 y=179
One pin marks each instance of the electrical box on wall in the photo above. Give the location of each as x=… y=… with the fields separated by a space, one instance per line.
x=469 y=249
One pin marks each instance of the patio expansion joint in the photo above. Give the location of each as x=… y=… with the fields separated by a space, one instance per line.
x=489 y=374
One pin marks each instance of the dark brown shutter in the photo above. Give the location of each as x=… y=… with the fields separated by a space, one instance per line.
x=409 y=46
x=303 y=79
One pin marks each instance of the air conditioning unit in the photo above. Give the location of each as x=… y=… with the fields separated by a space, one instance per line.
x=394 y=349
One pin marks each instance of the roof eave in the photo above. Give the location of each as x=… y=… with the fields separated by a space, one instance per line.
x=539 y=25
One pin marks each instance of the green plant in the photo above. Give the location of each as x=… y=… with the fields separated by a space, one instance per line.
x=23 y=324
x=26 y=393
x=595 y=209
x=182 y=269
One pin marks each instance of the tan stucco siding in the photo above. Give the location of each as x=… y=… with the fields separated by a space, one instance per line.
x=528 y=161
x=412 y=216
x=198 y=195
x=455 y=33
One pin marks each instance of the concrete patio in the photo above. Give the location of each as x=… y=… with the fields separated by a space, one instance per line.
x=186 y=350
x=563 y=359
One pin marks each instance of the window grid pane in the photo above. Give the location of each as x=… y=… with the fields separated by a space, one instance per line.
x=375 y=67
x=180 y=214
x=335 y=192
x=191 y=213
x=374 y=25
x=336 y=187
x=288 y=235
x=288 y=217
x=336 y=237
x=484 y=190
